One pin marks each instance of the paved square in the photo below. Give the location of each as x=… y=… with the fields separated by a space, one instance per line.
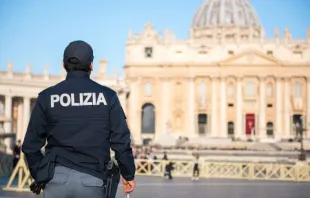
x=155 y=187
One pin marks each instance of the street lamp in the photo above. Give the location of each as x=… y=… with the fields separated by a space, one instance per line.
x=302 y=156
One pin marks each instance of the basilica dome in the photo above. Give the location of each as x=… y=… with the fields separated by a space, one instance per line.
x=226 y=13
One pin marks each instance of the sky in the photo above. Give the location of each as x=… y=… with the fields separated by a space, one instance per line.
x=37 y=31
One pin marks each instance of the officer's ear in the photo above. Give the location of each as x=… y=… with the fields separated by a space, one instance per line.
x=91 y=66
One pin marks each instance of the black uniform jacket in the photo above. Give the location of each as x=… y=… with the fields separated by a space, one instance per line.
x=80 y=120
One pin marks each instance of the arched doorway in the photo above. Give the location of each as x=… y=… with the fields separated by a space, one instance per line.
x=298 y=125
x=230 y=129
x=148 y=119
x=269 y=127
x=202 y=124
x=146 y=141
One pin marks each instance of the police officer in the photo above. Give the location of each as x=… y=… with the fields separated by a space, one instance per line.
x=80 y=120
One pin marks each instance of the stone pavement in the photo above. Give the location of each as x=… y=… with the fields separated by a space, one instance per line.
x=155 y=187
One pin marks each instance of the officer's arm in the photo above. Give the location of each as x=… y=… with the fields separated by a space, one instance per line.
x=35 y=136
x=120 y=140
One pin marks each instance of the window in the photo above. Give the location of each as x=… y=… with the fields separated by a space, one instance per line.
x=202 y=124
x=230 y=128
x=230 y=52
x=250 y=89
x=178 y=122
x=202 y=89
x=297 y=54
x=270 y=129
x=269 y=91
x=1 y=107
x=242 y=22
x=297 y=89
x=214 y=19
x=178 y=90
x=203 y=52
x=148 y=119
x=229 y=18
x=148 y=89
x=270 y=53
x=148 y=52
x=269 y=105
x=202 y=94
x=230 y=91
x=230 y=105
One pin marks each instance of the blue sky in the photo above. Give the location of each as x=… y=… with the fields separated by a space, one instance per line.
x=37 y=31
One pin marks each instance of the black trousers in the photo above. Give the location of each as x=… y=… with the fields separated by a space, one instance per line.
x=15 y=161
x=196 y=171
x=168 y=173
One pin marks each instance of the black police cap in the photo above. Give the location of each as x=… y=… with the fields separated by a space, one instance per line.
x=81 y=52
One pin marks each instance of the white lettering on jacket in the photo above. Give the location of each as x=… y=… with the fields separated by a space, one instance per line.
x=85 y=99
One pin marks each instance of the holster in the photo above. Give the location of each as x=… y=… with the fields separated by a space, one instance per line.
x=113 y=180
x=46 y=168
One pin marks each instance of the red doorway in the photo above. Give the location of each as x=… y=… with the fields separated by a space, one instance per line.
x=249 y=124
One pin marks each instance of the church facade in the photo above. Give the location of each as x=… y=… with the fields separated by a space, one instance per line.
x=227 y=80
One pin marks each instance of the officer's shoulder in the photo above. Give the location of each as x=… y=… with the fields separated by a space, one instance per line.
x=47 y=90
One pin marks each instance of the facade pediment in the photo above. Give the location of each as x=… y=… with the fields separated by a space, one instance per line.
x=251 y=58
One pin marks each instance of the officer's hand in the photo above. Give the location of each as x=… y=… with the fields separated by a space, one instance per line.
x=129 y=186
x=36 y=187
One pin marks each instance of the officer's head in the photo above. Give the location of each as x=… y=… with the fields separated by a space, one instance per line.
x=78 y=56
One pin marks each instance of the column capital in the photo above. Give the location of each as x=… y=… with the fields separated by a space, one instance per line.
x=239 y=78
x=27 y=97
x=262 y=78
x=287 y=79
x=214 y=77
x=280 y=78
x=164 y=78
x=133 y=79
x=223 y=78
x=190 y=78
x=8 y=96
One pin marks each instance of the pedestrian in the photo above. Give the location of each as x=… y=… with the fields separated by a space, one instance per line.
x=196 y=168
x=165 y=156
x=80 y=120
x=16 y=153
x=168 y=170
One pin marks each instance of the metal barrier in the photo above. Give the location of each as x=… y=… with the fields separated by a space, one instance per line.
x=229 y=170
x=223 y=170
x=22 y=174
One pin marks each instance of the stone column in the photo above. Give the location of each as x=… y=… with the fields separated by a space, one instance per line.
x=26 y=116
x=165 y=104
x=8 y=125
x=134 y=112
x=287 y=110
x=20 y=127
x=191 y=108
x=223 y=132
x=214 y=109
x=239 y=108
x=262 y=109
x=278 y=129
x=307 y=125
x=243 y=126
x=8 y=113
